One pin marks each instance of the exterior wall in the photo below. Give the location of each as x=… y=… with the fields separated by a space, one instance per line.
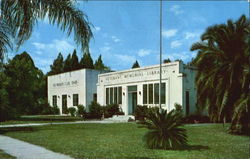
x=172 y=74
x=81 y=82
x=91 y=81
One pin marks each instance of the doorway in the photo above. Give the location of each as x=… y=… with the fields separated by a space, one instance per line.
x=64 y=104
x=132 y=99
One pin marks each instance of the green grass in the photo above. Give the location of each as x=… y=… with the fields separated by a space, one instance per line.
x=4 y=155
x=41 y=119
x=125 y=141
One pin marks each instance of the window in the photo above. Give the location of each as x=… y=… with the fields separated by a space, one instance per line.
x=111 y=96
x=95 y=97
x=163 y=93
x=107 y=96
x=75 y=100
x=54 y=100
x=120 y=95
x=64 y=104
x=150 y=92
x=115 y=95
x=145 y=94
x=156 y=93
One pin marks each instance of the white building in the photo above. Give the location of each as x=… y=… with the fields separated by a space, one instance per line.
x=127 y=88
x=73 y=88
x=141 y=87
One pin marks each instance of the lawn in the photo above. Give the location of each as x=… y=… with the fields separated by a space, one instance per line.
x=4 y=155
x=125 y=141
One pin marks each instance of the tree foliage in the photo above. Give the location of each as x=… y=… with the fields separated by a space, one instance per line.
x=26 y=88
x=67 y=64
x=166 y=60
x=136 y=65
x=57 y=66
x=99 y=65
x=224 y=72
x=87 y=61
x=22 y=15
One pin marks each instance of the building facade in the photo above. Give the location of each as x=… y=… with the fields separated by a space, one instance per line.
x=140 y=86
x=73 y=88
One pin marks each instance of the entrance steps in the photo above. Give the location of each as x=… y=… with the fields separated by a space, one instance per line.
x=120 y=118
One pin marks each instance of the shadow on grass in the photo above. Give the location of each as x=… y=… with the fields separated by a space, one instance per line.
x=16 y=129
x=193 y=147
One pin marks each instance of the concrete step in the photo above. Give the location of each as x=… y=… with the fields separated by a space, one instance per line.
x=120 y=118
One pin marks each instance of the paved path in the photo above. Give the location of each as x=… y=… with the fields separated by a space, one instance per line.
x=61 y=123
x=24 y=150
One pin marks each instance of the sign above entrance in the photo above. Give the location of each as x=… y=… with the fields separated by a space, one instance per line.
x=137 y=75
x=68 y=83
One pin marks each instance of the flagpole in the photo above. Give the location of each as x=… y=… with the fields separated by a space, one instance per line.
x=160 y=54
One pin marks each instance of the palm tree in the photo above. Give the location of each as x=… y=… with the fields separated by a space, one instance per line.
x=164 y=130
x=22 y=15
x=5 y=40
x=223 y=70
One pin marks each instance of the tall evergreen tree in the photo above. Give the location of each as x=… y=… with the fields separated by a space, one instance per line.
x=74 y=61
x=99 y=65
x=57 y=66
x=86 y=61
x=167 y=60
x=67 y=64
x=136 y=65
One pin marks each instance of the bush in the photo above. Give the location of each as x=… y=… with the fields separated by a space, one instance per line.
x=164 y=130
x=81 y=111
x=95 y=110
x=49 y=110
x=72 y=111
x=112 y=109
x=196 y=119
x=141 y=112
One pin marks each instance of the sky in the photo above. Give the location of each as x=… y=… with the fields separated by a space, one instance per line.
x=126 y=31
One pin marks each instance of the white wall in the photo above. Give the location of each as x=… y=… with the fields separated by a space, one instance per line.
x=81 y=82
x=172 y=75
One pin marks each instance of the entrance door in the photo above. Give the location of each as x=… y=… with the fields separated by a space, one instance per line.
x=64 y=104
x=132 y=99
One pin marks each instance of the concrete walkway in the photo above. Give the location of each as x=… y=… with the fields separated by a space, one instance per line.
x=23 y=150
x=60 y=123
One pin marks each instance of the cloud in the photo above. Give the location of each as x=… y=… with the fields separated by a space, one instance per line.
x=190 y=35
x=169 y=33
x=115 y=39
x=39 y=46
x=176 y=9
x=143 y=52
x=125 y=58
x=175 y=44
x=182 y=55
x=96 y=29
x=55 y=45
x=105 y=49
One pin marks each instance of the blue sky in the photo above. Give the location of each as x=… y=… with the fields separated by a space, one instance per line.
x=125 y=31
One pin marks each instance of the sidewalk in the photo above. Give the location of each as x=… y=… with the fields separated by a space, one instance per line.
x=23 y=150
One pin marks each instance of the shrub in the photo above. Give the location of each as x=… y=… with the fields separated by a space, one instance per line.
x=141 y=112
x=196 y=119
x=164 y=130
x=95 y=110
x=112 y=109
x=55 y=110
x=81 y=111
x=72 y=111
